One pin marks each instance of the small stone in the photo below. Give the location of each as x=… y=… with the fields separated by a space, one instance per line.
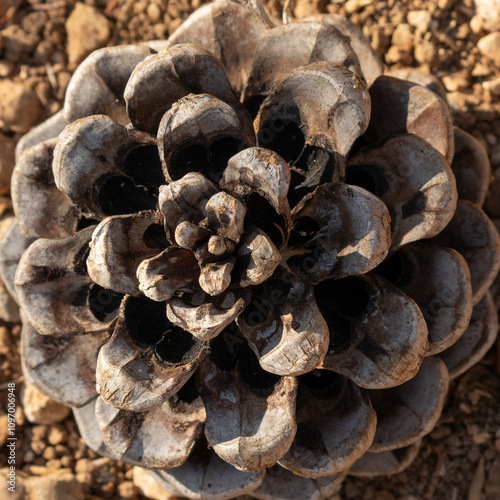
x=160 y=30
x=480 y=70
x=148 y=487
x=445 y=4
x=425 y=52
x=463 y=31
x=39 y=408
x=491 y=139
x=6 y=341
x=476 y=24
x=394 y=55
x=53 y=463
x=49 y=453
x=88 y=30
x=420 y=19
x=306 y=8
x=19 y=106
x=17 y=43
x=6 y=68
x=489 y=46
x=67 y=461
x=127 y=490
x=84 y=465
x=402 y=37
x=85 y=478
x=354 y=5
x=38 y=470
x=489 y=12
x=481 y=437
x=38 y=440
x=455 y=81
x=57 y=435
x=154 y=12
x=440 y=432
x=18 y=482
x=492 y=86
x=54 y=486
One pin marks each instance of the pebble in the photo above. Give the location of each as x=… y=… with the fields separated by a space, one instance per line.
x=84 y=478
x=489 y=46
x=420 y=19
x=16 y=42
x=127 y=490
x=489 y=11
x=394 y=55
x=148 y=487
x=463 y=31
x=57 y=435
x=425 y=52
x=88 y=30
x=54 y=485
x=39 y=408
x=20 y=492
x=402 y=37
x=154 y=12
x=476 y=24
x=480 y=70
x=401 y=50
x=455 y=81
x=481 y=437
x=67 y=461
x=19 y=106
x=49 y=453
x=6 y=68
x=445 y=4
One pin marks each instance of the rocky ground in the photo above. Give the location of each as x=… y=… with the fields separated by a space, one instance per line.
x=42 y=42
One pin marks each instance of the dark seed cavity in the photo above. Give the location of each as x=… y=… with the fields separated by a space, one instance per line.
x=225 y=348
x=262 y=214
x=155 y=237
x=143 y=164
x=104 y=303
x=323 y=383
x=177 y=347
x=369 y=177
x=210 y=161
x=145 y=320
x=251 y=373
x=119 y=195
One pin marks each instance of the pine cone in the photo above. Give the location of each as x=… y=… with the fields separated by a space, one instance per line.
x=240 y=257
